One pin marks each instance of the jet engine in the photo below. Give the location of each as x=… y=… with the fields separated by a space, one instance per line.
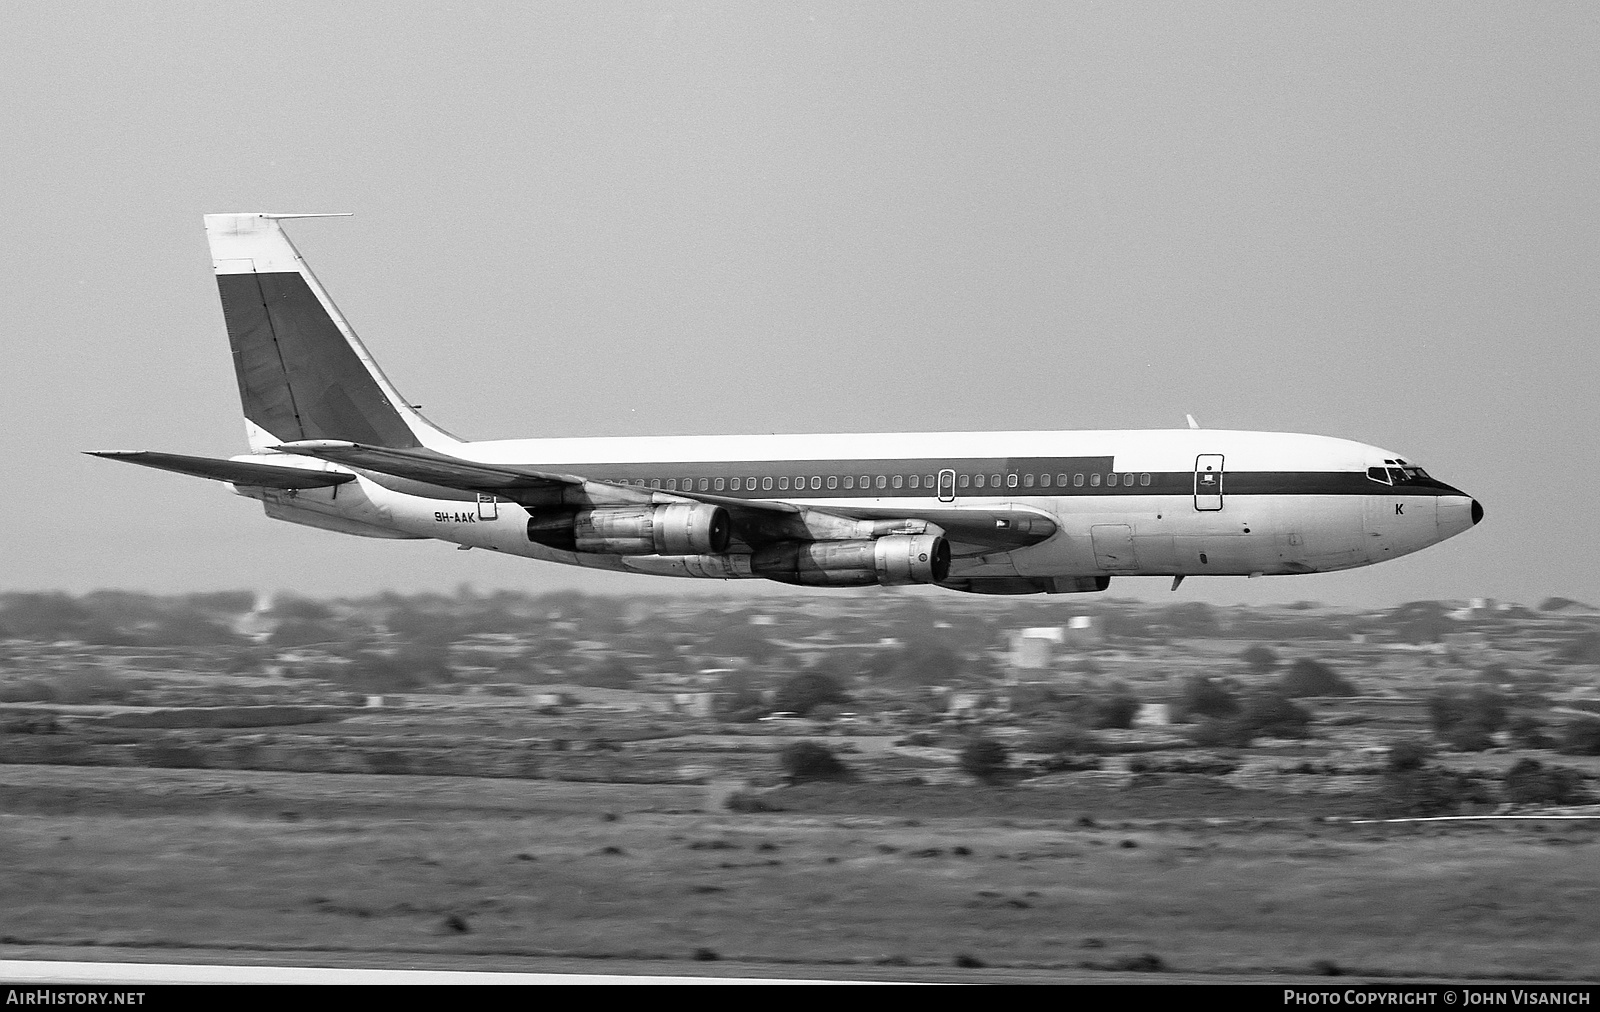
x=674 y=529
x=889 y=561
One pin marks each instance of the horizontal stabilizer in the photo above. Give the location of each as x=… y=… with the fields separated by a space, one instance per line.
x=236 y=471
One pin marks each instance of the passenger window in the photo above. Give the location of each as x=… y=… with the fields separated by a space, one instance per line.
x=704 y=484
x=1094 y=480
x=866 y=481
x=672 y=484
x=816 y=481
x=766 y=483
x=1077 y=480
x=800 y=481
x=963 y=481
x=1027 y=481
x=1144 y=479
x=1044 y=480
x=719 y=484
x=978 y=480
x=849 y=481
x=783 y=483
x=927 y=481
x=883 y=482
x=1111 y=479
x=655 y=482
x=833 y=481
x=916 y=481
x=1011 y=481
x=994 y=481
x=899 y=481
x=1127 y=480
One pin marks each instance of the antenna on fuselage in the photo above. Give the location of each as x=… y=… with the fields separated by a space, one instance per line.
x=1192 y=423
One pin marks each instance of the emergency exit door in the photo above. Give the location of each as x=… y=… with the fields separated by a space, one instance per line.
x=1208 y=481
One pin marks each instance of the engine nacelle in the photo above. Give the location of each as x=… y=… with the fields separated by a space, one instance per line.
x=892 y=561
x=673 y=529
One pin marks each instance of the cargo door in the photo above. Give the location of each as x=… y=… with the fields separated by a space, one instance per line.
x=1113 y=547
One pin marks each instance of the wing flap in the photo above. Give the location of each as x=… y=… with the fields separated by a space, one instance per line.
x=236 y=471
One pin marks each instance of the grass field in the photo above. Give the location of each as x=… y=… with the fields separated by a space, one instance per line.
x=498 y=869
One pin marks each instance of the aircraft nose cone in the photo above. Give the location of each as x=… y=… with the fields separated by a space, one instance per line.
x=1477 y=513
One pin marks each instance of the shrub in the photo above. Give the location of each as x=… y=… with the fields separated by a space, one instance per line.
x=1527 y=731
x=806 y=761
x=986 y=759
x=1268 y=713
x=1496 y=674
x=1216 y=766
x=919 y=663
x=1580 y=737
x=1411 y=754
x=1202 y=697
x=806 y=691
x=1583 y=649
x=1216 y=732
x=1063 y=740
x=1468 y=720
x=746 y=801
x=1427 y=791
x=1114 y=711
x=610 y=672
x=1062 y=762
x=1307 y=677
x=1468 y=738
x=1530 y=782
x=1259 y=659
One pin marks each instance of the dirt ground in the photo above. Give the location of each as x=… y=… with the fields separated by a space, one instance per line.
x=887 y=881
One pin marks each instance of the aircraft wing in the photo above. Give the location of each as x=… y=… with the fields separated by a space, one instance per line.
x=435 y=468
x=755 y=522
x=235 y=471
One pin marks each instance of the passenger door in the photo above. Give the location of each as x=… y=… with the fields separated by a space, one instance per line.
x=1208 y=482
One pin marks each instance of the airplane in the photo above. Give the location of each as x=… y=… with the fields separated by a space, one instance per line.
x=334 y=446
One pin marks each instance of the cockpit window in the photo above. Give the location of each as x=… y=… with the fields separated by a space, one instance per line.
x=1398 y=475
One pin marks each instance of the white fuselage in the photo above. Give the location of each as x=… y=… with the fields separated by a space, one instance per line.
x=1127 y=503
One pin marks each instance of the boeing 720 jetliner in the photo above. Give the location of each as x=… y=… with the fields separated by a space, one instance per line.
x=334 y=446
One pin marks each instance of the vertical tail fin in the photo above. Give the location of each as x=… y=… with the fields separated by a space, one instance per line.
x=303 y=373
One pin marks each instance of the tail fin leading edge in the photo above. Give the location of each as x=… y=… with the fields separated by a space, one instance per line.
x=303 y=373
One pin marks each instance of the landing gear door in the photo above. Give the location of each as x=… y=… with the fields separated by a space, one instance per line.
x=1208 y=482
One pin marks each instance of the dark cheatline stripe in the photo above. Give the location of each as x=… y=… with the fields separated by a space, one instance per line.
x=1166 y=483
x=298 y=377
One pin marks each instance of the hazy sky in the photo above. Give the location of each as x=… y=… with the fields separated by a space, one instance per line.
x=1377 y=221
